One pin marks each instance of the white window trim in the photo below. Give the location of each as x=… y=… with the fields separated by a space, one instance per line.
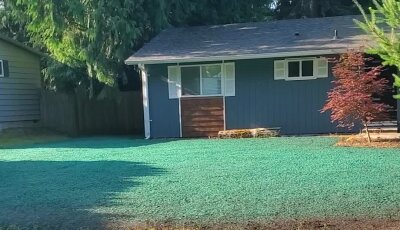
x=201 y=82
x=2 y=68
x=315 y=75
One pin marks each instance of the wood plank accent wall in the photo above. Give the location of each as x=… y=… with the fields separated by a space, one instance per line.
x=202 y=117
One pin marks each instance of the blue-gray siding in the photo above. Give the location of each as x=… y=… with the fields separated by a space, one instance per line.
x=164 y=112
x=260 y=101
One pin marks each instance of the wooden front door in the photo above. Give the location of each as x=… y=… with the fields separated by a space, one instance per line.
x=202 y=117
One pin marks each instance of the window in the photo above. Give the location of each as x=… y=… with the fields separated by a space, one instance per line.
x=190 y=80
x=201 y=80
x=294 y=69
x=307 y=68
x=1 y=69
x=211 y=76
x=300 y=69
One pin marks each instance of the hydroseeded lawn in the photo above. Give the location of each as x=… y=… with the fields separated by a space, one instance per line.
x=89 y=182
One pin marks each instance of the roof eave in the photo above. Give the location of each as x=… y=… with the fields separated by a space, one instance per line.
x=236 y=57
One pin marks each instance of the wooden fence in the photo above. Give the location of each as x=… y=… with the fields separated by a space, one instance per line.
x=75 y=114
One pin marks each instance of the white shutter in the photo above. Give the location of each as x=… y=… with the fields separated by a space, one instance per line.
x=229 y=77
x=174 y=81
x=321 y=67
x=280 y=72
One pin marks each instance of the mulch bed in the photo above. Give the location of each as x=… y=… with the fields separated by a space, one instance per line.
x=358 y=141
x=249 y=133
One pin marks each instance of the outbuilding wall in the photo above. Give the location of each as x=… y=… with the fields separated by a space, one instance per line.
x=260 y=101
x=20 y=90
x=164 y=112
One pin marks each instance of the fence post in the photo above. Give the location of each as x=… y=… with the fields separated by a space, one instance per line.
x=397 y=89
x=76 y=113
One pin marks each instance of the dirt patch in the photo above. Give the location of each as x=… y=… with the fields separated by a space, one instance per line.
x=23 y=136
x=361 y=141
x=327 y=224
x=366 y=224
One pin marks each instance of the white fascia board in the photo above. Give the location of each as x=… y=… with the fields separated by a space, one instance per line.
x=238 y=57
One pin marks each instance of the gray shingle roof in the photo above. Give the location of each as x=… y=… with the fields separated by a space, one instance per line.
x=252 y=40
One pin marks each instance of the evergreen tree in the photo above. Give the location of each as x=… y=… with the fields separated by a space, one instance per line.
x=98 y=35
x=383 y=23
x=316 y=8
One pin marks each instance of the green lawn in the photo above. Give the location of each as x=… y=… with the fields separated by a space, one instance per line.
x=93 y=181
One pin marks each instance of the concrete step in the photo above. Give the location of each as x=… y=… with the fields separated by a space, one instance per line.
x=382 y=127
x=381 y=130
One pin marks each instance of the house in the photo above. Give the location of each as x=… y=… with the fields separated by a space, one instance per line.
x=19 y=84
x=199 y=80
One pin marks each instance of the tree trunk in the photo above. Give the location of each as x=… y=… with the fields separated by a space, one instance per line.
x=367 y=131
x=91 y=89
x=314 y=8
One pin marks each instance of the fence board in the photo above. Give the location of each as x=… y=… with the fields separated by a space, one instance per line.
x=76 y=114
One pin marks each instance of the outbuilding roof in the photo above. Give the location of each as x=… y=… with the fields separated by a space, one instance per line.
x=283 y=38
x=20 y=45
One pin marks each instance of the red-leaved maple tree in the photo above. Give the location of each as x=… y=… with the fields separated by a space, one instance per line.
x=351 y=100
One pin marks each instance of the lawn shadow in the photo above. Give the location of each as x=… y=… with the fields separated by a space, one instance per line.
x=63 y=194
x=94 y=143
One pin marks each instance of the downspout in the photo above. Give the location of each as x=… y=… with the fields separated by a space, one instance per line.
x=145 y=98
x=397 y=89
x=398 y=112
x=223 y=93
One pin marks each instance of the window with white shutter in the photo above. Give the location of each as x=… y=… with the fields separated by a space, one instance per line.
x=280 y=70
x=300 y=69
x=3 y=72
x=321 y=67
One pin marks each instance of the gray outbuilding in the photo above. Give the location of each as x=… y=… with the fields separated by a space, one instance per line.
x=20 y=84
